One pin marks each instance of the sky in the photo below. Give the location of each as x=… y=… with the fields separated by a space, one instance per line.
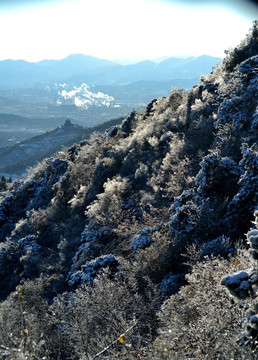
x=124 y=30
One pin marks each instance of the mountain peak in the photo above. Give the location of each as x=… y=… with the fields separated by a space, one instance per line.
x=67 y=123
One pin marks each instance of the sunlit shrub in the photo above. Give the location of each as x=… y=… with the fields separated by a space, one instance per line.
x=202 y=320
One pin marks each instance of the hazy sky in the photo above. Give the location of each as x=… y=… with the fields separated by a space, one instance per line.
x=121 y=29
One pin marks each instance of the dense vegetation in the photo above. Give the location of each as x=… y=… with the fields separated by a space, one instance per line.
x=116 y=246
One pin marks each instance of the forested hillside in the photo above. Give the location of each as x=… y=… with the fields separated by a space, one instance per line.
x=115 y=247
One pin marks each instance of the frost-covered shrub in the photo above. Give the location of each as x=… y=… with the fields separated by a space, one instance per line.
x=113 y=131
x=197 y=217
x=109 y=318
x=171 y=284
x=79 y=198
x=28 y=246
x=19 y=258
x=35 y=191
x=202 y=106
x=4 y=207
x=29 y=253
x=44 y=181
x=92 y=242
x=175 y=98
x=234 y=119
x=21 y=330
x=92 y=269
x=185 y=215
x=171 y=172
x=253 y=240
x=55 y=169
x=234 y=111
x=248 y=68
x=254 y=127
x=247 y=48
x=86 y=251
x=238 y=284
x=217 y=247
x=245 y=200
x=51 y=169
x=235 y=116
x=244 y=285
x=127 y=123
x=7 y=254
x=107 y=208
x=142 y=240
x=127 y=204
x=201 y=321
x=90 y=236
x=9 y=276
x=42 y=192
x=217 y=174
x=77 y=324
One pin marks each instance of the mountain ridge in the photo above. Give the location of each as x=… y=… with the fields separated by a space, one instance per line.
x=14 y=160
x=75 y=65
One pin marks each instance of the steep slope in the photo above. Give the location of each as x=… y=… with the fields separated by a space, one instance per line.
x=98 y=234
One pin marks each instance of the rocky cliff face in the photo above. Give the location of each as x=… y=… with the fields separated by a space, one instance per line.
x=127 y=205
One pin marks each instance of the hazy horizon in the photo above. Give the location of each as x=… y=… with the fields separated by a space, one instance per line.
x=117 y=61
x=126 y=31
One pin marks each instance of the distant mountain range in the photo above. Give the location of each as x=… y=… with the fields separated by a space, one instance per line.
x=89 y=90
x=23 y=73
x=79 y=68
x=52 y=90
